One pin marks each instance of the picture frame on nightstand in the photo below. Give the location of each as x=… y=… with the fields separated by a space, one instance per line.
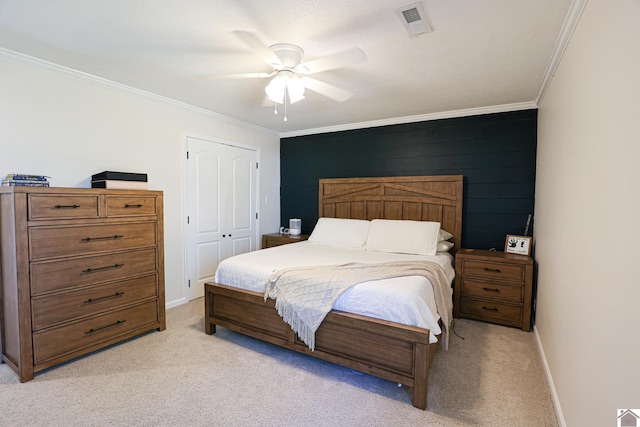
x=515 y=244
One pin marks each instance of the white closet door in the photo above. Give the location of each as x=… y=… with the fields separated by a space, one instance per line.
x=240 y=206
x=222 y=207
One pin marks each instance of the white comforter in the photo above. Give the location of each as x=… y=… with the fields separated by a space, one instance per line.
x=406 y=300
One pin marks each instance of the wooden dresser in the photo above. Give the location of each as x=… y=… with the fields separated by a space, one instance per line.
x=277 y=239
x=493 y=286
x=81 y=269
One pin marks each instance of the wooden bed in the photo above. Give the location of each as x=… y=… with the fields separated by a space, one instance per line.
x=389 y=350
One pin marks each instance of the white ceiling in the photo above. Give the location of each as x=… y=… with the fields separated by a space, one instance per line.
x=483 y=53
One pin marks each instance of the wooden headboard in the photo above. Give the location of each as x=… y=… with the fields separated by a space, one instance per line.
x=418 y=198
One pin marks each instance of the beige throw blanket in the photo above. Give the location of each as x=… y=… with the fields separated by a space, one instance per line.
x=305 y=295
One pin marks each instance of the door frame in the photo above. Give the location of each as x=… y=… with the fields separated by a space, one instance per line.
x=185 y=193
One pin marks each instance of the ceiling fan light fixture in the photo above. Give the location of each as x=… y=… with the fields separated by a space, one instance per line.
x=285 y=80
x=276 y=87
x=295 y=89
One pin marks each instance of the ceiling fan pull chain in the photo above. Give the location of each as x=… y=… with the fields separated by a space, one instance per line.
x=285 y=105
x=285 y=108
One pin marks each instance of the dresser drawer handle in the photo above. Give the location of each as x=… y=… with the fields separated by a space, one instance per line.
x=493 y=270
x=133 y=206
x=118 y=323
x=91 y=239
x=108 y=267
x=92 y=300
x=67 y=206
x=491 y=290
x=490 y=308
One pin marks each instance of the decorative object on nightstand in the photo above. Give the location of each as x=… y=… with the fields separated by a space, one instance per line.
x=494 y=287
x=295 y=226
x=520 y=245
x=277 y=239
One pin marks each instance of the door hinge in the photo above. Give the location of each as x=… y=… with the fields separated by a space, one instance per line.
x=256 y=215
x=256 y=165
x=187 y=155
x=189 y=283
x=187 y=219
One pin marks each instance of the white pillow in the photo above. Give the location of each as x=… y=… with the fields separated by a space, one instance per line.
x=444 y=246
x=348 y=233
x=400 y=236
x=444 y=235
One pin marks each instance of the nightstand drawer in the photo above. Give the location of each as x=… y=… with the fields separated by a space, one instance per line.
x=485 y=310
x=493 y=270
x=475 y=288
x=271 y=240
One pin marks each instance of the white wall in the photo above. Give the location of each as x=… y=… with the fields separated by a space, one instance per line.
x=587 y=205
x=68 y=128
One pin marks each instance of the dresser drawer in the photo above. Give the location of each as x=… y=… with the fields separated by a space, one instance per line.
x=56 y=206
x=57 y=308
x=86 y=271
x=491 y=290
x=57 y=342
x=484 y=310
x=493 y=270
x=130 y=205
x=51 y=242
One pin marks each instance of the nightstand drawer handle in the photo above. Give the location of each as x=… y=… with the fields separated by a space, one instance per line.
x=491 y=290
x=490 y=308
x=67 y=206
x=493 y=270
x=133 y=206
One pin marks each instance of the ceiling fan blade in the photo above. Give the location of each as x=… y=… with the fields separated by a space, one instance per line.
x=331 y=62
x=326 y=89
x=260 y=49
x=237 y=76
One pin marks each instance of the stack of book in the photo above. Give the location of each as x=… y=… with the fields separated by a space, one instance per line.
x=25 y=180
x=120 y=180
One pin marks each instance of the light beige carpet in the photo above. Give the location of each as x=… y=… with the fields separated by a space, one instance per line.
x=183 y=377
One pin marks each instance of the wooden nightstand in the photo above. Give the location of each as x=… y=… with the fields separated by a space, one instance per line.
x=494 y=287
x=277 y=239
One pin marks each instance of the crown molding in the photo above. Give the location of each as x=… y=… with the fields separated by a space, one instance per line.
x=568 y=27
x=99 y=81
x=417 y=118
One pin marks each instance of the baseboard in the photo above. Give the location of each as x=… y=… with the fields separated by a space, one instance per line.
x=177 y=302
x=552 y=387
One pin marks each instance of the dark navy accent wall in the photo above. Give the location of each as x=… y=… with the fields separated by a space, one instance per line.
x=496 y=153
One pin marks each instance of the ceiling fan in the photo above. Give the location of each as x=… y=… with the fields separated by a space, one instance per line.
x=290 y=76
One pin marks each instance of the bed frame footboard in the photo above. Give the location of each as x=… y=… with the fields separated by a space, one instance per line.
x=388 y=350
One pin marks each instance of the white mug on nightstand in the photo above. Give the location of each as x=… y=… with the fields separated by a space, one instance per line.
x=284 y=230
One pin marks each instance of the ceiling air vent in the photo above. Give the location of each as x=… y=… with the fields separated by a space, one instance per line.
x=415 y=19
